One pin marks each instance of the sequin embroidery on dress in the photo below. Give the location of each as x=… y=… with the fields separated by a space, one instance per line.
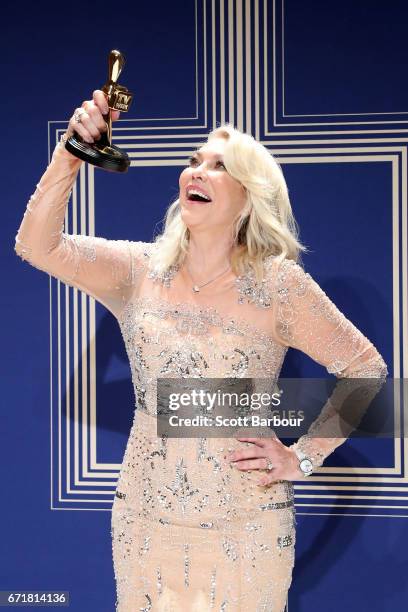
x=183 y=512
x=206 y=529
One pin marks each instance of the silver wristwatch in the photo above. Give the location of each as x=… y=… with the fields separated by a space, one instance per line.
x=305 y=463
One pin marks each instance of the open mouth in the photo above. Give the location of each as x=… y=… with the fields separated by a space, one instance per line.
x=194 y=195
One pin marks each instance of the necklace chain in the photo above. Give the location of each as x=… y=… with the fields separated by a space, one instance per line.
x=196 y=288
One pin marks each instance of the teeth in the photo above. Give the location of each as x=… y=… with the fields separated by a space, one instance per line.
x=199 y=193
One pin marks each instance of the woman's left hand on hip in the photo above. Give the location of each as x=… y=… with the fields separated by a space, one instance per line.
x=263 y=452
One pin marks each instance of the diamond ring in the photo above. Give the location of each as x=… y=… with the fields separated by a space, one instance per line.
x=269 y=464
x=78 y=114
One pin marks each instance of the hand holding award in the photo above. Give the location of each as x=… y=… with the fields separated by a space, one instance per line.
x=89 y=135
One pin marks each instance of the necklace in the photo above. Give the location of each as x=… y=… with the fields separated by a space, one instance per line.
x=196 y=288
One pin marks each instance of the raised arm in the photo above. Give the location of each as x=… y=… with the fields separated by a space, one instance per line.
x=105 y=269
x=306 y=319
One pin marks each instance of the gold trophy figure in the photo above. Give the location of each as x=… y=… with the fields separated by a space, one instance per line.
x=103 y=153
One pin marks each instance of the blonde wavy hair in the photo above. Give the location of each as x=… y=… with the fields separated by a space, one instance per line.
x=265 y=226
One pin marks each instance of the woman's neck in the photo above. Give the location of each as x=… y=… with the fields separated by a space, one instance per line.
x=208 y=256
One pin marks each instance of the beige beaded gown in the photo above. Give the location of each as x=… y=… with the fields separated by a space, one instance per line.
x=190 y=532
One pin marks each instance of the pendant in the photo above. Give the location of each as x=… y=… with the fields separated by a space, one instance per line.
x=196 y=288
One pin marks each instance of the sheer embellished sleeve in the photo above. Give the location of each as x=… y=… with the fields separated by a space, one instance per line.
x=306 y=319
x=107 y=270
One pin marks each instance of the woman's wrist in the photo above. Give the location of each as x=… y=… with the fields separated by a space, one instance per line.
x=295 y=471
x=61 y=146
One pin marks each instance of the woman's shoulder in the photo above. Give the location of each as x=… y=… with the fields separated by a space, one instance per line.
x=286 y=273
x=293 y=284
x=277 y=263
x=141 y=249
x=140 y=253
x=148 y=256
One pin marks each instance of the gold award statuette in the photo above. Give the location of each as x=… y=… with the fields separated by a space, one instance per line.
x=103 y=153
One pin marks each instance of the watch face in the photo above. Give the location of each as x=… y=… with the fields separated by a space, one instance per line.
x=306 y=466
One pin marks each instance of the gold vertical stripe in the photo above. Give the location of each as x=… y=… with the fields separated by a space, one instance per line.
x=239 y=79
x=51 y=396
x=84 y=338
x=51 y=357
x=265 y=55
x=67 y=386
x=222 y=60
x=248 y=75
x=59 y=392
x=256 y=51
x=92 y=329
x=397 y=440
x=84 y=387
x=404 y=317
x=231 y=60
x=196 y=52
x=395 y=254
x=404 y=252
x=282 y=63
x=205 y=63
x=396 y=289
x=214 y=63
x=405 y=442
x=75 y=324
x=67 y=352
x=76 y=338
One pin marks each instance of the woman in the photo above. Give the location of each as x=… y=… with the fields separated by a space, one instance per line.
x=202 y=524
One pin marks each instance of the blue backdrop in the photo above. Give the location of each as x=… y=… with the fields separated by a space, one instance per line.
x=323 y=86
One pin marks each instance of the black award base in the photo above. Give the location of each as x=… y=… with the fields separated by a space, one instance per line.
x=100 y=153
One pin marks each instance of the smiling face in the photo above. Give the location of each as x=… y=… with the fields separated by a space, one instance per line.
x=207 y=175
